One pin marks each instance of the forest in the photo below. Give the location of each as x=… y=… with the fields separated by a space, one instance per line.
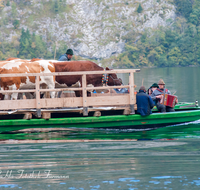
x=175 y=45
x=29 y=46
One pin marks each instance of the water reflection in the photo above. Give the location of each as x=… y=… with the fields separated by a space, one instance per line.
x=186 y=130
x=108 y=165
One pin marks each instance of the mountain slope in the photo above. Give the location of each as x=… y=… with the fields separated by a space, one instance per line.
x=93 y=28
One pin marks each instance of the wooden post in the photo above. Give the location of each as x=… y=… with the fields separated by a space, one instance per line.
x=37 y=86
x=84 y=92
x=132 y=97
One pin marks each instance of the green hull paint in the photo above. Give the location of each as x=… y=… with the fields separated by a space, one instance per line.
x=129 y=121
x=185 y=112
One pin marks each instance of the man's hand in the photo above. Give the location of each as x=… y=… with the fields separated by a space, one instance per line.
x=159 y=97
x=176 y=101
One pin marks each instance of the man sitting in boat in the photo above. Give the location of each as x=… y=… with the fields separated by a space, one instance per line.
x=66 y=57
x=144 y=102
x=149 y=92
x=153 y=87
x=157 y=95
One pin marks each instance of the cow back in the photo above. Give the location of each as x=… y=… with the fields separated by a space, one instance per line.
x=74 y=66
x=23 y=66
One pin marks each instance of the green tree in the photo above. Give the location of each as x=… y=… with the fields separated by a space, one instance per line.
x=174 y=57
x=40 y=49
x=16 y=23
x=184 y=7
x=153 y=56
x=56 y=6
x=139 y=9
x=162 y=61
x=61 y=49
x=195 y=16
x=31 y=46
x=8 y=3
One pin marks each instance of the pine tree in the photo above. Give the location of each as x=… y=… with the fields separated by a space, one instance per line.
x=25 y=44
x=56 y=6
x=139 y=9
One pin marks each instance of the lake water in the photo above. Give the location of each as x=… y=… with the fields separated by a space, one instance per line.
x=183 y=81
x=165 y=158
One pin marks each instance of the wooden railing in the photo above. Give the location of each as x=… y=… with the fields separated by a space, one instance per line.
x=84 y=101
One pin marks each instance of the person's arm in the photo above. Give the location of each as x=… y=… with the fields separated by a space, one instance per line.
x=153 y=96
x=156 y=95
x=151 y=103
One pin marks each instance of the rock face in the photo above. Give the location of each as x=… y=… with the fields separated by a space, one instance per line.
x=93 y=28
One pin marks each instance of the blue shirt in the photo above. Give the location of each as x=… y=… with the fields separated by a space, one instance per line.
x=63 y=58
x=144 y=103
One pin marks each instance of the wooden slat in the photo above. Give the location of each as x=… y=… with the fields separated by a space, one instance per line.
x=64 y=89
x=107 y=94
x=71 y=73
x=65 y=102
x=80 y=88
x=17 y=104
x=107 y=87
x=16 y=91
x=61 y=102
x=112 y=100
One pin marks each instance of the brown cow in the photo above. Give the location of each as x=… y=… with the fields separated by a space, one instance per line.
x=14 y=65
x=72 y=66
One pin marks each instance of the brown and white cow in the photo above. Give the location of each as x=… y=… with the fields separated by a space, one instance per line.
x=14 y=65
x=71 y=66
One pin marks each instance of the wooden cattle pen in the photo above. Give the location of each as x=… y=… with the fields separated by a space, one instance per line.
x=43 y=107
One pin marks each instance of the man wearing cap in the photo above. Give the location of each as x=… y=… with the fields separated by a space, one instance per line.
x=66 y=57
x=144 y=102
x=157 y=96
x=153 y=87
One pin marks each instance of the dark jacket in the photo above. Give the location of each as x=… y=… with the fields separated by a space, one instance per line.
x=63 y=58
x=144 y=103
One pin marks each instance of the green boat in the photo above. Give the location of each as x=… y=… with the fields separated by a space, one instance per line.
x=185 y=112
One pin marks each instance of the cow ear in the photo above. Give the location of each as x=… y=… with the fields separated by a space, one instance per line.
x=107 y=68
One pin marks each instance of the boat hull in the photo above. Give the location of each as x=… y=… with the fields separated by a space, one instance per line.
x=117 y=121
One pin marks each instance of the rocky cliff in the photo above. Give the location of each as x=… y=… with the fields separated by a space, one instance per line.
x=93 y=28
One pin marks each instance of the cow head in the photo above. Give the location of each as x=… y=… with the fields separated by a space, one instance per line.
x=112 y=79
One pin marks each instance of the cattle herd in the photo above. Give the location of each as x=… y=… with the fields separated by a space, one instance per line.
x=16 y=65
